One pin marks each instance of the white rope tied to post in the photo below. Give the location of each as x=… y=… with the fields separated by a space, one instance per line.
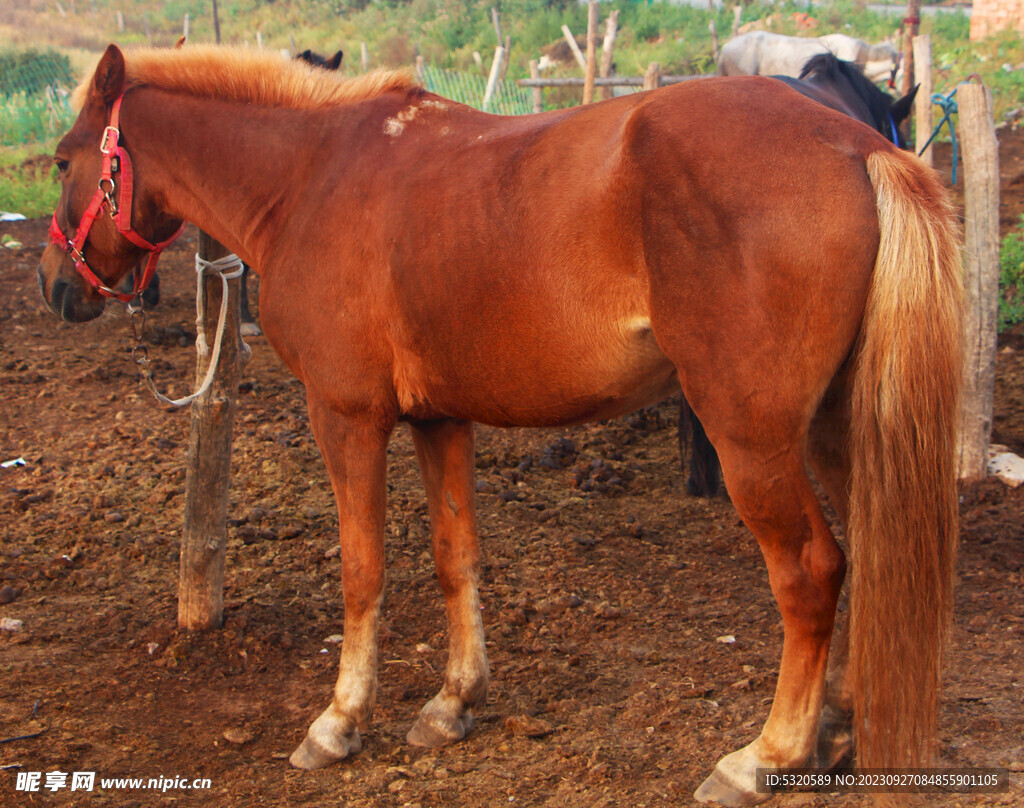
x=226 y=268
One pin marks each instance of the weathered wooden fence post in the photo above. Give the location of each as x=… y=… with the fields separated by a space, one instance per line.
x=923 y=101
x=538 y=92
x=574 y=47
x=590 y=71
x=201 y=574
x=912 y=23
x=492 y=79
x=652 y=78
x=981 y=272
x=608 y=50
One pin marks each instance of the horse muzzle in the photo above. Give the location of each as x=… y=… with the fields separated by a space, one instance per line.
x=68 y=298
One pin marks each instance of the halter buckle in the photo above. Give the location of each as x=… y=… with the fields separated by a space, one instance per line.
x=109 y=133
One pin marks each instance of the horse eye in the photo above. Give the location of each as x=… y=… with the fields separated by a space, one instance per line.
x=62 y=165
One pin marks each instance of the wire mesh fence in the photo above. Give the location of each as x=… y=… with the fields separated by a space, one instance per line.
x=469 y=89
x=34 y=92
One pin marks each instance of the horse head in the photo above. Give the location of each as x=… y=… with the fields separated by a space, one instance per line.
x=844 y=87
x=105 y=223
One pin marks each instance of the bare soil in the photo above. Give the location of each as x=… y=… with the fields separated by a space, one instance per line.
x=605 y=590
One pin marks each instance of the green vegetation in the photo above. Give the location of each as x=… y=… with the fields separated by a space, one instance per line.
x=31 y=71
x=1011 y=278
x=454 y=34
x=28 y=182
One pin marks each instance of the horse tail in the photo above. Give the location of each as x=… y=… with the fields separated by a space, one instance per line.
x=704 y=475
x=903 y=495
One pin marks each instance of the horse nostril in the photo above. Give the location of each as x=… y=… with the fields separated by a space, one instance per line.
x=57 y=293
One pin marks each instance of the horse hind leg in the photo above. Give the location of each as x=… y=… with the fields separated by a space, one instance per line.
x=770 y=488
x=445 y=450
x=829 y=460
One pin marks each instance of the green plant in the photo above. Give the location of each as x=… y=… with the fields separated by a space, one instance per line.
x=28 y=182
x=32 y=71
x=1011 y=278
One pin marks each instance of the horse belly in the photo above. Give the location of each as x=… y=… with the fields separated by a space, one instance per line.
x=597 y=374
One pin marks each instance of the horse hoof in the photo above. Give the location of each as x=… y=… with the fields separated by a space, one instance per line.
x=314 y=754
x=720 y=790
x=250 y=330
x=432 y=732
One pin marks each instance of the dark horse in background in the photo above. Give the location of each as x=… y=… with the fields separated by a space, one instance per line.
x=841 y=86
x=249 y=326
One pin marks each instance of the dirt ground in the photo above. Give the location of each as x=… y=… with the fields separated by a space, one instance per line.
x=605 y=590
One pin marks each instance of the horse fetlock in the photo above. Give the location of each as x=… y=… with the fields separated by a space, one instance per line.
x=331 y=737
x=834 y=746
x=444 y=720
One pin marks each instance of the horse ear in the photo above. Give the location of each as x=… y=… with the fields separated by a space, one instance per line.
x=335 y=63
x=108 y=81
x=180 y=43
x=305 y=55
x=901 y=109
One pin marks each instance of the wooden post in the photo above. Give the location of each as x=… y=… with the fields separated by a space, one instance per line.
x=580 y=59
x=364 y=57
x=492 y=79
x=506 y=58
x=538 y=92
x=184 y=28
x=421 y=67
x=496 y=18
x=714 y=40
x=201 y=574
x=652 y=78
x=608 y=50
x=911 y=23
x=923 y=102
x=216 y=24
x=981 y=272
x=737 y=13
x=590 y=70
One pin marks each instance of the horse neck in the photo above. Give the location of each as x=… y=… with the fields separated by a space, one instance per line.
x=228 y=168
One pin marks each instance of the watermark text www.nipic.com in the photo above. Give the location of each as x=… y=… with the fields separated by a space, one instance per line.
x=88 y=781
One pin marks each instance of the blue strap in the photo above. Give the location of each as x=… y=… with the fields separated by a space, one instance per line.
x=948 y=106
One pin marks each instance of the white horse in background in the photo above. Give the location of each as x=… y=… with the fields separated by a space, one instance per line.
x=762 y=53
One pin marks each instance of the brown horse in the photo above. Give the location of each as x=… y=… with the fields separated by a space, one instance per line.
x=428 y=263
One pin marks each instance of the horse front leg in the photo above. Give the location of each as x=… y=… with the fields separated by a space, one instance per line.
x=446 y=454
x=355 y=453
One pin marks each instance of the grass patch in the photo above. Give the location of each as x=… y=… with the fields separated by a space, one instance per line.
x=1011 y=278
x=28 y=182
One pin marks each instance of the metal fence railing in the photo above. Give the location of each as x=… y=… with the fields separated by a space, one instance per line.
x=34 y=92
x=469 y=89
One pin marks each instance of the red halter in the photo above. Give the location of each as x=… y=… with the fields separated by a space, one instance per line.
x=115 y=161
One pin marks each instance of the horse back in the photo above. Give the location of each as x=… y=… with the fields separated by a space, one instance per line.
x=510 y=271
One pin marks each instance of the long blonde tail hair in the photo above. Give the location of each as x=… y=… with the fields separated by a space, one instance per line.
x=903 y=504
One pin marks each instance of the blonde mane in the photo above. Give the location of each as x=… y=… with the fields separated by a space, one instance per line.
x=254 y=76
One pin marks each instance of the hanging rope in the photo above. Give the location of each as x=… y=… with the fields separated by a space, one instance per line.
x=226 y=268
x=948 y=106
